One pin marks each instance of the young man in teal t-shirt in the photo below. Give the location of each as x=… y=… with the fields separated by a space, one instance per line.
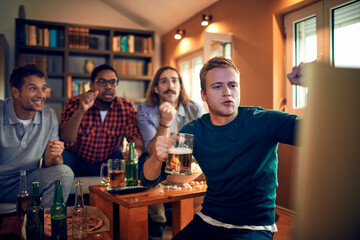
x=236 y=149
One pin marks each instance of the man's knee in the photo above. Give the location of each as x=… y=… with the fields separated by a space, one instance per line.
x=63 y=172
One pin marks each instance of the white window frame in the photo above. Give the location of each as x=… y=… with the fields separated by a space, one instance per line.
x=322 y=11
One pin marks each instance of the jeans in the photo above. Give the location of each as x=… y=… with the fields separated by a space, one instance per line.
x=10 y=185
x=83 y=168
x=198 y=229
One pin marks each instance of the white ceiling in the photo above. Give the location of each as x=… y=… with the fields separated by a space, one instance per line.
x=159 y=15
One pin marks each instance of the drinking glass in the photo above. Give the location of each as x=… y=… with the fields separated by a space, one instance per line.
x=180 y=154
x=115 y=176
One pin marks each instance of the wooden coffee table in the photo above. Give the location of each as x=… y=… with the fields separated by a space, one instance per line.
x=128 y=214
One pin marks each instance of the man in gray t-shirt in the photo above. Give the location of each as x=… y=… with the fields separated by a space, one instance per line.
x=29 y=139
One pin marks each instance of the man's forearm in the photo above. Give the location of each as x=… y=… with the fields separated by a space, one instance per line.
x=69 y=131
x=152 y=168
x=139 y=147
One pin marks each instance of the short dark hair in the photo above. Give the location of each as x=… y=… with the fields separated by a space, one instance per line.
x=100 y=68
x=153 y=98
x=216 y=62
x=18 y=74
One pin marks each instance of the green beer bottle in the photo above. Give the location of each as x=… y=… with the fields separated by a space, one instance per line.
x=58 y=214
x=35 y=215
x=131 y=167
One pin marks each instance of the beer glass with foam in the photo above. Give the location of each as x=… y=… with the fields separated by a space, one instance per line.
x=115 y=176
x=180 y=154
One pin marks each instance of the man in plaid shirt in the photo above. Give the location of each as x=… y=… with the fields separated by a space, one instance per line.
x=94 y=124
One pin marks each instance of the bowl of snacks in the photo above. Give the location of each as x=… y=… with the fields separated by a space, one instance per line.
x=180 y=179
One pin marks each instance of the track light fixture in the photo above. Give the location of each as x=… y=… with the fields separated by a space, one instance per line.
x=206 y=20
x=179 y=34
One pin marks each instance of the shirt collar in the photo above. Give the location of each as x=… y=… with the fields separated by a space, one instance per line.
x=13 y=119
x=181 y=110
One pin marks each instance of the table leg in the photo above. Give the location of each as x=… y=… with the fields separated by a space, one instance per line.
x=182 y=214
x=133 y=223
x=106 y=207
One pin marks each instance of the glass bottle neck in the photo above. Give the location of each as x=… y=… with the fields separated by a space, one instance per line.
x=58 y=197
x=132 y=156
x=23 y=191
x=34 y=200
x=79 y=198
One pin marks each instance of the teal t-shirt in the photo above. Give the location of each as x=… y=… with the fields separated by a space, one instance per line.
x=239 y=160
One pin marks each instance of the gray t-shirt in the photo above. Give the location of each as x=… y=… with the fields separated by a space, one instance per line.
x=23 y=149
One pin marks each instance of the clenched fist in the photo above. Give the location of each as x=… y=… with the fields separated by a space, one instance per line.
x=167 y=112
x=87 y=99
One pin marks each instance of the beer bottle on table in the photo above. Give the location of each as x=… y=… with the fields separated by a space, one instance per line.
x=131 y=170
x=58 y=214
x=22 y=201
x=79 y=213
x=35 y=215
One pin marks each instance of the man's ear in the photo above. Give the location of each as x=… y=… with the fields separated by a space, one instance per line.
x=156 y=90
x=203 y=96
x=92 y=86
x=15 y=93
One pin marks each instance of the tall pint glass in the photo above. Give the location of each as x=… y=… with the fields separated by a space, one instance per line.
x=180 y=154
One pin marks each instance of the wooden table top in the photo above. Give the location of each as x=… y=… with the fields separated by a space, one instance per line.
x=151 y=196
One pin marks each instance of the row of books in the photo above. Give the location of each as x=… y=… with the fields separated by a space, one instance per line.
x=47 y=64
x=131 y=43
x=80 y=38
x=32 y=35
x=130 y=67
x=76 y=87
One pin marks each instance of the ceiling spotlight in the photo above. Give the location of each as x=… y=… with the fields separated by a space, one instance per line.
x=206 y=20
x=179 y=34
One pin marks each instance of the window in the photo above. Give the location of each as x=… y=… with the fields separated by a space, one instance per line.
x=190 y=67
x=346 y=35
x=308 y=38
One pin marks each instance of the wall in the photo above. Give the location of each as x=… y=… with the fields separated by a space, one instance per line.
x=89 y=12
x=258 y=51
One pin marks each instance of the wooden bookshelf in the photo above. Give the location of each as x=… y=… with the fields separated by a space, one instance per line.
x=63 y=49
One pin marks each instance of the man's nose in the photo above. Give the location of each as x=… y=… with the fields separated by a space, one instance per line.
x=41 y=93
x=226 y=91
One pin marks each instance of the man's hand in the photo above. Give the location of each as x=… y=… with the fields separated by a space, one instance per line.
x=167 y=112
x=53 y=151
x=295 y=76
x=152 y=166
x=87 y=100
x=162 y=148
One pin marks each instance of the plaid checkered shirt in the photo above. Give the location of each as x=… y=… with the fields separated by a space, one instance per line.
x=97 y=140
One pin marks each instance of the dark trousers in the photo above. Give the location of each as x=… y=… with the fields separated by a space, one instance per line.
x=198 y=229
x=83 y=168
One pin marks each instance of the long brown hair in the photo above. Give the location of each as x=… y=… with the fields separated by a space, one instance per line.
x=152 y=97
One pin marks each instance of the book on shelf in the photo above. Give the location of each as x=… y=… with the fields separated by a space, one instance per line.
x=53 y=38
x=130 y=67
x=46 y=37
x=131 y=43
x=80 y=38
x=79 y=87
x=49 y=64
x=32 y=35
